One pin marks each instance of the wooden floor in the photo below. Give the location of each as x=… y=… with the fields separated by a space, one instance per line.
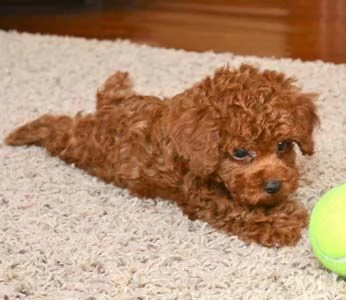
x=309 y=29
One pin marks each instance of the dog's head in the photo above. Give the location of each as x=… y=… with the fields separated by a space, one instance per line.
x=240 y=126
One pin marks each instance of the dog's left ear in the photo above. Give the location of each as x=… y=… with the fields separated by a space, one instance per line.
x=195 y=135
x=307 y=120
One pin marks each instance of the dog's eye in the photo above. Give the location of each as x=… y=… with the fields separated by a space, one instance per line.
x=283 y=146
x=240 y=154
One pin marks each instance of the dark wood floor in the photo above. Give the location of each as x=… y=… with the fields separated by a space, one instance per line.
x=309 y=29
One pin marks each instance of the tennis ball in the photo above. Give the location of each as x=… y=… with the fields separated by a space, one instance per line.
x=327 y=230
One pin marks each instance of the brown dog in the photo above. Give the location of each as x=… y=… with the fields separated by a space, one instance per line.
x=223 y=150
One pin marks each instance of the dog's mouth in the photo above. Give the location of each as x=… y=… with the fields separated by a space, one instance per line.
x=256 y=193
x=269 y=200
x=257 y=196
x=248 y=196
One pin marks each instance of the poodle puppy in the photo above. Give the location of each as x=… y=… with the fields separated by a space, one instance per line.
x=222 y=150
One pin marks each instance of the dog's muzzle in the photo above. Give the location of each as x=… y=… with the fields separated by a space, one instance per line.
x=272 y=186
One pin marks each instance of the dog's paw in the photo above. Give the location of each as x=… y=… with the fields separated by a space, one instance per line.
x=275 y=227
x=283 y=227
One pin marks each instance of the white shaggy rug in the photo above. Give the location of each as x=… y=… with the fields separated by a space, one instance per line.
x=66 y=235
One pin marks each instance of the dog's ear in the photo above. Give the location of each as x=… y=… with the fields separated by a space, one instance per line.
x=195 y=135
x=307 y=120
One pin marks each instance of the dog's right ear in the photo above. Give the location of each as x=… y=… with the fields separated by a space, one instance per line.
x=307 y=120
x=195 y=136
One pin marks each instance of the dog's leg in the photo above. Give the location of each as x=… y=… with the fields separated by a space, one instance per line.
x=272 y=227
x=74 y=140
x=45 y=131
x=280 y=225
x=116 y=88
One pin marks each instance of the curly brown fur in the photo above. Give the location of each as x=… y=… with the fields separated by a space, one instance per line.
x=213 y=149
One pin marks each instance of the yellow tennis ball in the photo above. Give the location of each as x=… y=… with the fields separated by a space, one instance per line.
x=327 y=230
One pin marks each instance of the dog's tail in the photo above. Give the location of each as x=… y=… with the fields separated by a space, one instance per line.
x=116 y=88
x=45 y=130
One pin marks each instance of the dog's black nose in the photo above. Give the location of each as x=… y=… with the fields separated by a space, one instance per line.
x=272 y=186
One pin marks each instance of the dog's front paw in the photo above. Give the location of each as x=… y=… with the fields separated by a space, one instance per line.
x=283 y=226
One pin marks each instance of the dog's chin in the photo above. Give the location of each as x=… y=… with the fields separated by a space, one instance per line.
x=267 y=200
x=261 y=198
